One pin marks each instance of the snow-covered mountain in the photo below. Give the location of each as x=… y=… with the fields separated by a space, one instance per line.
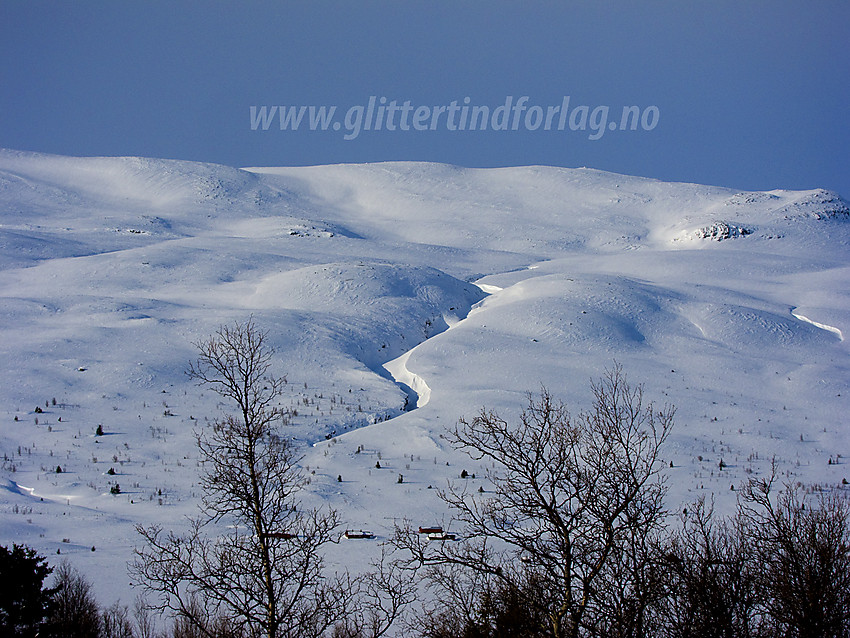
x=399 y=296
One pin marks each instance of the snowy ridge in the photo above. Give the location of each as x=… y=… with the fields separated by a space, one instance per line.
x=386 y=287
x=822 y=326
x=421 y=393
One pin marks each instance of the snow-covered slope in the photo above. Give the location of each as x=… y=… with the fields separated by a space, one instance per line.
x=389 y=287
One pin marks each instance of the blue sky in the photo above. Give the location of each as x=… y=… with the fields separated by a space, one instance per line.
x=751 y=95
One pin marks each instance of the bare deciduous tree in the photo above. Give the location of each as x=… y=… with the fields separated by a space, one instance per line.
x=252 y=557
x=779 y=567
x=75 y=613
x=802 y=546
x=570 y=500
x=712 y=578
x=143 y=620
x=375 y=600
x=473 y=604
x=115 y=622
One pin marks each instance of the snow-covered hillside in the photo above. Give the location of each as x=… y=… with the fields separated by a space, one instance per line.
x=399 y=297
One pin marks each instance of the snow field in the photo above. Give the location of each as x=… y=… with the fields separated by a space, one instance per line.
x=385 y=288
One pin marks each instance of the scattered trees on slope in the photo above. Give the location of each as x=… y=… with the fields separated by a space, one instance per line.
x=570 y=540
